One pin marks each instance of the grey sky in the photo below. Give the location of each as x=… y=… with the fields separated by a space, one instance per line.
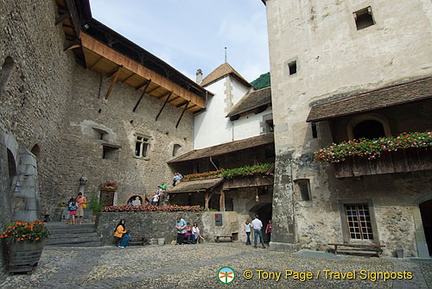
x=192 y=34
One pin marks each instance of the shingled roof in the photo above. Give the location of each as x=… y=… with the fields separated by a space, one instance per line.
x=193 y=186
x=222 y=71
x=225 y=148
x=401 y=93
x=251 y=101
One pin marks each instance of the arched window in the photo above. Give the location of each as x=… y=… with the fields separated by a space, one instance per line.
x=36 y=150
x=368 y=126
x=369 y=129
x=5 y=72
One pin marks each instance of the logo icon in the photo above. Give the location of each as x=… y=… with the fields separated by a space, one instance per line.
x=226 y=275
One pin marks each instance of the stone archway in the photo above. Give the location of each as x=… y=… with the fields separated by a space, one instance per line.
x=426 y=217
x=264 y=211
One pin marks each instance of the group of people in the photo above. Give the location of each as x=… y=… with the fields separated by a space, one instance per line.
x=76 y=208
x=186 y=233
x=257 y=226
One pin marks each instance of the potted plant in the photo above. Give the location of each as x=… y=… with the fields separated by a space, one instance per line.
x=24 y=243
x=108 y=186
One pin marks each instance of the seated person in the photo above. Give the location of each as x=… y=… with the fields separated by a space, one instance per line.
x=190 y=237
x=121 y=235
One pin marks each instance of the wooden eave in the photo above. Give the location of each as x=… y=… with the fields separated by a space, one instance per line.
x=105 y=60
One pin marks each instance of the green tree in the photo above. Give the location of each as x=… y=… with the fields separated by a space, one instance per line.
x=262 y=82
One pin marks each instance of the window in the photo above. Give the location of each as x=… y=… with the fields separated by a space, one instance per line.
x=110 y=152
x=269 y=126
x=5 y=72
x=141 y=146
x=292 y=67
x=358 y=221
x=363 y=18
x=369 y=129
x=100 y=134
x=176 y=150
x=303 y=189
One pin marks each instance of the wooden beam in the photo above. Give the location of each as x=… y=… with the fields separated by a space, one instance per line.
x=207 y=197
x=142 y=95
x=116 y=75
x=63 y=14
x=163 y=106
x=96 y=62
x=186 y=106
x=127 y=78
x=181 y=104
x=135 y=67
x=72 y=45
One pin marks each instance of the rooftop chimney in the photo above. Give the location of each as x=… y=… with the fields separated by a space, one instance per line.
x=199 y=75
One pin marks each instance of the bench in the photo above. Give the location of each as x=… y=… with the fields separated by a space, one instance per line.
x=137 y=241
x=226 y=238
x=367 y=249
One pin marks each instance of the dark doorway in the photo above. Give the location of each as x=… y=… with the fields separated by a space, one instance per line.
x=426 y=215
x=264 y=211
x=107 y=197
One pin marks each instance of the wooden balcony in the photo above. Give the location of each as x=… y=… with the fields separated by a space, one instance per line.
x=401 y=161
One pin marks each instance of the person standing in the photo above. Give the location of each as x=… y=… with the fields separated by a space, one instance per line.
x=248 y=227
x=181 y=230
x=121 y=234
x=72 y=208
x=82 y=204
x=257 y=225
x=268 y=230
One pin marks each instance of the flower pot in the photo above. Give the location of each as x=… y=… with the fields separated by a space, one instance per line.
x=23 y=257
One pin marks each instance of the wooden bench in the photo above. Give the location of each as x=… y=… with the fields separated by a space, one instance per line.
x=137 y=241
x=365 y=249
x=226 y=238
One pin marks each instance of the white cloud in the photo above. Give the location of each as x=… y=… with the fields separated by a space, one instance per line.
x=192 y=34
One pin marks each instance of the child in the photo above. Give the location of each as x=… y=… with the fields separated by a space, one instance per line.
x=72 y=208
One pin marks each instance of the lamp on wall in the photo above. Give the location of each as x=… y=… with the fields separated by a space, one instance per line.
x=82 y=183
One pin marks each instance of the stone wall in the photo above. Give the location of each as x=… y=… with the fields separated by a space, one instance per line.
x=35 y=82
x=89 y=114
x=162 y=224
x=333 y=58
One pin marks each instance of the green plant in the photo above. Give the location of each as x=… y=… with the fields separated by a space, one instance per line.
x=21 y=231
x=95 y=204
x=230 y=173
x=372 y=148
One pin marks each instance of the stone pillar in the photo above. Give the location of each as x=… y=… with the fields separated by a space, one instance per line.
x=222 y=201
x=206 y=201
x=26 y=194
x=283 y=221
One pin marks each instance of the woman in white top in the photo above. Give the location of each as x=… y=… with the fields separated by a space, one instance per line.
x=248 y=227
x=196 y=232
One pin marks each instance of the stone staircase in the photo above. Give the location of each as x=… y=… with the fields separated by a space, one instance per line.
x=63 y=235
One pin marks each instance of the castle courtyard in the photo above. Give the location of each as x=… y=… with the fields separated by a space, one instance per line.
x=197 y=266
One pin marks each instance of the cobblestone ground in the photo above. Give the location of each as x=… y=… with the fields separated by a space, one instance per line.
x=197 y=266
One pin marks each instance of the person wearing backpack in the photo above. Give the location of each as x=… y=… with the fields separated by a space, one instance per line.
x=72 y=208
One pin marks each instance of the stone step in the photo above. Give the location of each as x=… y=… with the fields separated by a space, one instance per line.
x=86 y=244
x=62 y=234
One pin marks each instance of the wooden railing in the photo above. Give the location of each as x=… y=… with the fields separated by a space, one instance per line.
x=401 y=161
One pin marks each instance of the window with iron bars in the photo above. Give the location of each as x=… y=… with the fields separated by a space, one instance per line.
x=358 y=221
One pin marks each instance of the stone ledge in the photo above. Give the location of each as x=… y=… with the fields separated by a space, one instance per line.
x=278 y=246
